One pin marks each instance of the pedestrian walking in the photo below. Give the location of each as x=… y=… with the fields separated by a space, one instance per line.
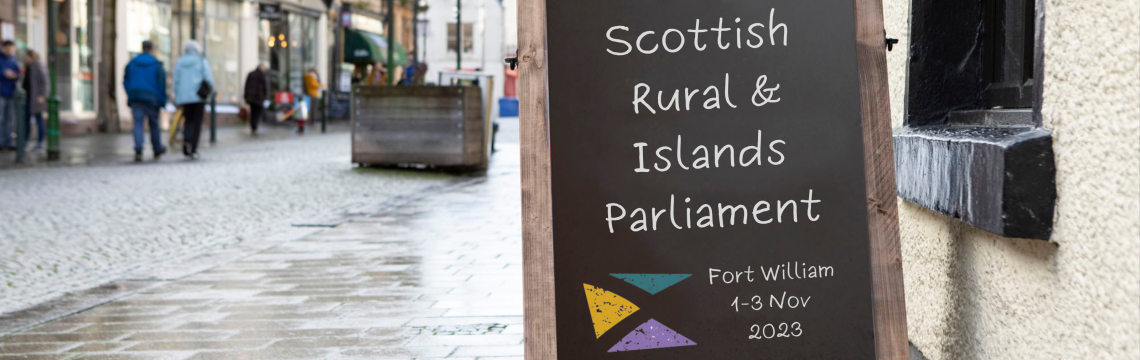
x=145 y=82
x=193 y=84
x=313 y=88
x=9 y=75
x=35 y=85
x=256 y=91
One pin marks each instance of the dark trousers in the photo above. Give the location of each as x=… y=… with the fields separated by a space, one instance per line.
x=256 y=112
x=192 y=128
x=41 y=130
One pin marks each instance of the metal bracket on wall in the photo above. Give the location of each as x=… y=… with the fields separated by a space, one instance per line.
x=891 y=43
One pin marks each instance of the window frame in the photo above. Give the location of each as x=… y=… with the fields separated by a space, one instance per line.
x=971 y=145
x=468 y=37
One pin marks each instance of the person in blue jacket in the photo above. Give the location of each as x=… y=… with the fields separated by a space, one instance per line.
x=191 y=71
x=145 y=82
x=9 y=74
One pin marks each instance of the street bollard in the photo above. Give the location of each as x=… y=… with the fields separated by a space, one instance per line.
x=21 y=127
x=323 y=113
x=213 y=118
x=53 y=129
x=53 y=98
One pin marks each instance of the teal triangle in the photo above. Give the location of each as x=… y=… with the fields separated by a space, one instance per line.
x=652 y=283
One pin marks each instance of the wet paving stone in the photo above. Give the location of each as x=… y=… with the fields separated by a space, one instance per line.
x=178 y=336
x=292 y=334
x=198 y=345
x=36 y=347
x=35 y=357
x=439 y=277
x=337 y=342
x=118 y=327
x=19 y=338
x=135 y=356
x=99 y=347
x=56 y=327
x=402 y=352
x=267 y=354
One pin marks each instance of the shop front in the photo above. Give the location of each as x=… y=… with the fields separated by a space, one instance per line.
x=75 y=55
x=368 y=53
x=235 y=36
x=288 y=45
x=167 y=24
x=363 y=56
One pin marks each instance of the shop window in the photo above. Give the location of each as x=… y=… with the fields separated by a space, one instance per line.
x=73 y=65
x=151 y=22
x=217 y=32
x=468 y=37
x=972 y=146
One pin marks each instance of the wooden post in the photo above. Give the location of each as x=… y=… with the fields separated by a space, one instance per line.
x=538 y=235
x=879 y=165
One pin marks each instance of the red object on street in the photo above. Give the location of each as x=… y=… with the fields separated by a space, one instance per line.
x=511 y=79
x=283 y=97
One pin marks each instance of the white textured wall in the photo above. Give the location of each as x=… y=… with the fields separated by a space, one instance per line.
x=488 y=52
x=974 y=295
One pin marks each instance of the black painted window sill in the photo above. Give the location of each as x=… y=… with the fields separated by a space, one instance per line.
x=996 y=178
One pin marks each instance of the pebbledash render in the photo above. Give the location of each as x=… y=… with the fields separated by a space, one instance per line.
x=1074 y=292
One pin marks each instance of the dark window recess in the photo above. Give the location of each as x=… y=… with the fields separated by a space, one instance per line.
x=1007 y=59
x=972 y=146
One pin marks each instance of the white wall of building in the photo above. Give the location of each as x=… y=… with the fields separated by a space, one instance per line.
x=488 y=51
x=250 y=43
x=971 y=294
x=122 y=57
x=510 y=25
x=323 y=49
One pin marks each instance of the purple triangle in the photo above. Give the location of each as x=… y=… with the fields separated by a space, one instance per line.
x=651 y=335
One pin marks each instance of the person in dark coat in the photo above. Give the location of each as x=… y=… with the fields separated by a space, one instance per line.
x=256 y=91
x=35 y=85
x=145 y=82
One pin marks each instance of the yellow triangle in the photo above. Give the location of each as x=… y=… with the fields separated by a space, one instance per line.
x=606 y=308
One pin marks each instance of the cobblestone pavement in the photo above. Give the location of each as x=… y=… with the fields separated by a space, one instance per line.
x=439 y=277
x=73 y=227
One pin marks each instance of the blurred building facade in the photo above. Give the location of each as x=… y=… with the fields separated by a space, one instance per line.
x=289 y=37
x=25 y=22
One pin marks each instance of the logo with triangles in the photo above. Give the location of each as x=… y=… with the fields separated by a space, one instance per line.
x=608 y=309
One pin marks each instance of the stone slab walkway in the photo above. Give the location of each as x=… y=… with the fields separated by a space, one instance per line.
x=438 y=277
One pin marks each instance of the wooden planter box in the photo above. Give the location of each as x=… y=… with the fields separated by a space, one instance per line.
x=420 y=125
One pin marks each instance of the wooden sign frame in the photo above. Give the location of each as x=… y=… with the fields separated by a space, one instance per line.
x=888 y=302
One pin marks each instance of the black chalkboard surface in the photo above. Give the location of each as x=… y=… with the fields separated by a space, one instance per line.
x=707 y=180
x=339 y=105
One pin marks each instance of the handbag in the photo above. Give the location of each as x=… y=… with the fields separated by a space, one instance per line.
x=204 y=88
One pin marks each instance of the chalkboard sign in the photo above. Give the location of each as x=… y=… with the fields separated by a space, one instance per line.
x=339 y=105
x=708 y=180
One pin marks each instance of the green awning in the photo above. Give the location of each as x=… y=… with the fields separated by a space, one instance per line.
x=365 y=47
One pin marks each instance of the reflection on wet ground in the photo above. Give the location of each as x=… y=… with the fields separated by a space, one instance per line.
x=438 y=277
x=116 y=148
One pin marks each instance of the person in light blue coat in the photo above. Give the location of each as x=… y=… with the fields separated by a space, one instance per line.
x=190 y=72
